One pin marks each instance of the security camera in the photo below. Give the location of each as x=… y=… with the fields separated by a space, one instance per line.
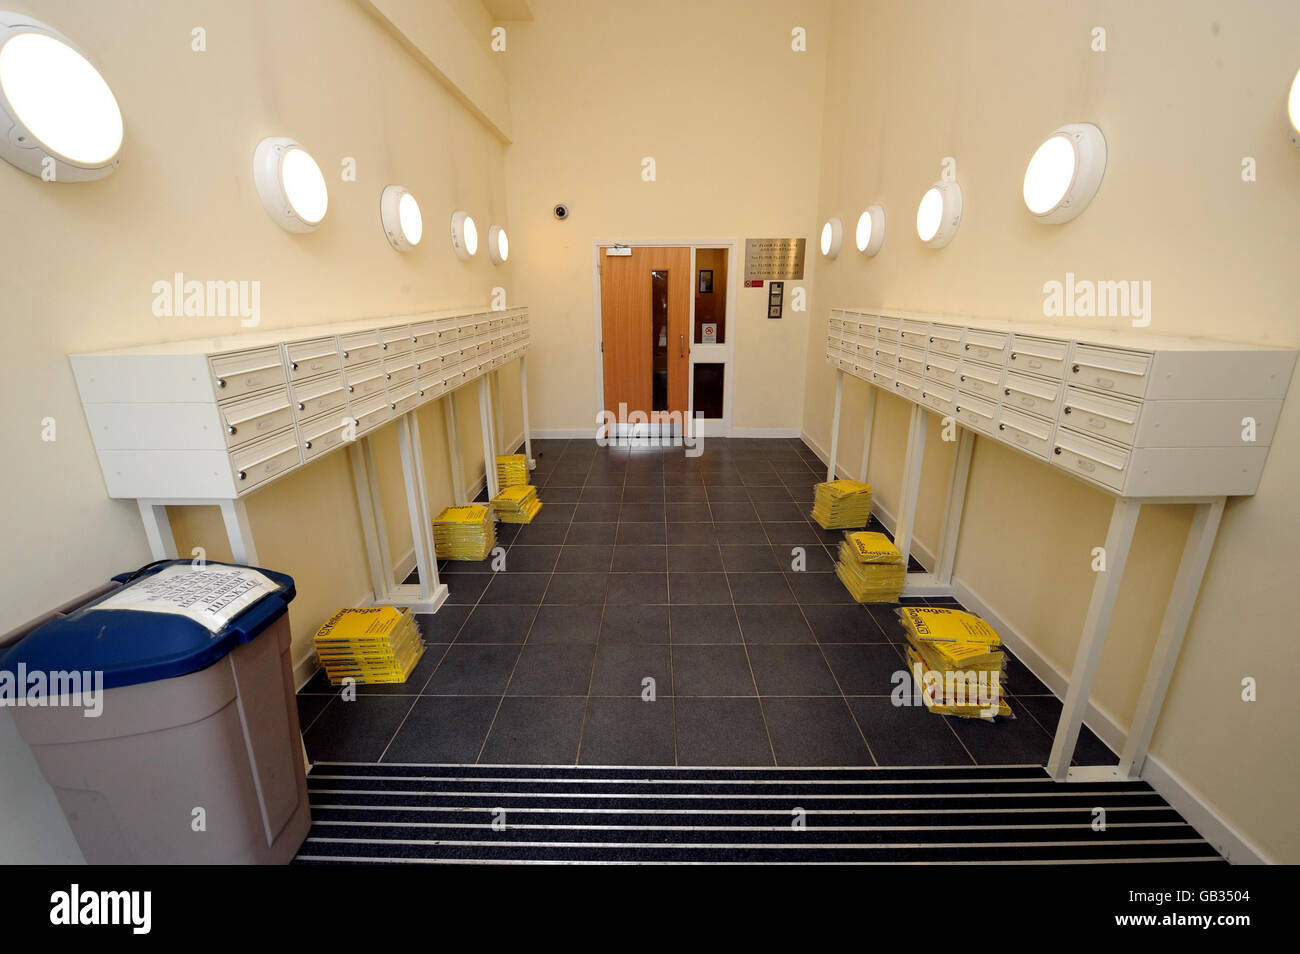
x=561 y=211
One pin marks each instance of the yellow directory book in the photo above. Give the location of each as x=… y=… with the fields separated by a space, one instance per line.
x=944 y=695
x=464 y=533
x=369 y=644
x=943 y=625
x=840 y=504
x=880 y=580
x=517 y=504
x=870 y=547
x=512 y=470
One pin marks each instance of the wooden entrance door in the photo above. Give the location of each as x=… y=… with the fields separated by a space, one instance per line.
x=645 y=301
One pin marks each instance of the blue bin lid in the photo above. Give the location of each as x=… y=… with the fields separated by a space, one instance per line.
x=137 y=646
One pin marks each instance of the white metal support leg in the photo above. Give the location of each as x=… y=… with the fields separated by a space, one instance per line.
x=523 y=397
x=868 y=416
x=956 y=501
x=1105 y=589
x=457 y=457
x=376 y=559
x=489 y=450
x=911 y=481
x=499 y=413
x=1178 y=613
x=157 y=530
x=417 y=505
x=835 y=424
x=240 y=532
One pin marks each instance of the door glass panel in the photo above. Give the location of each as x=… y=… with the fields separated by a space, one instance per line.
x=708 y=389
x=710 y=296
x=659 y=334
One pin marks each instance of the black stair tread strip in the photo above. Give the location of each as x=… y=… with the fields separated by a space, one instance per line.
x=839 y=802
x=986 y=853
x=397 y=770
x=776 y=839
x=705 y=787
x=778 y=816
x=1173 y=866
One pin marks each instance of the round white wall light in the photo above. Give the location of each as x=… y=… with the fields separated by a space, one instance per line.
x=58 y=118
x=1293 y=109
x=1065 y=172
x=832 y=237
x=400 y=215
x=871 y=230
x=498 y=245
x=939 y=214
x=464 y=235
x=290 y=184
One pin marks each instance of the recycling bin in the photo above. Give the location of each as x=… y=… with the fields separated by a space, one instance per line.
x=162 y=713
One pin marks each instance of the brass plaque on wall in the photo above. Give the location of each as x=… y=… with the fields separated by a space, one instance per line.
x=774 y=259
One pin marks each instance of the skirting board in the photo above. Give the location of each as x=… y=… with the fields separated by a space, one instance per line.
x=1226 y=840
x=306 y=668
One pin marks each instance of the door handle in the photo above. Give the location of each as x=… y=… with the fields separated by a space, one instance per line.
x=681 y=343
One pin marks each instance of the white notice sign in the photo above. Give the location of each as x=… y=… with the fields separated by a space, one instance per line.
x=210 y=595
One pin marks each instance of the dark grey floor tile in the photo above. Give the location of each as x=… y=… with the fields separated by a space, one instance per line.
x=698 y=588
x=697 y=512
x=637 y=588
x=467 y=588
x=814 y=731
x=622 y=668
x=791 y=533
x=535 y=732
x=442 y=626
x=728 y=494
x=473 y=669
x=721 y=732
x=865 y=669
x=692 y=534
x=774 y=511
x=443 y=729
x=733 y=511
x=759 y=588
x=704 y=624
x=767 y=623
x=818 y=588
x=694 y=559
x=791 y=670
x=553 y=670
x=596 y=513
x=907 y=735
x=541 y=534
x=641 y=512
x=1046 y=711
x=577 y=588
x=885 y=617
x=497 y=623
x=640 y=533
x=555 y=513
x=591 y=533
x=356 y=731
x=311 y=706
x=638 y=558
x=711 y=671
x=516 y=588
x=531 y=559
x=565 y=624
x=1017 y=741
x=634 y=624
x=585 y=559
x=1021 y=681
x=685 y=492
x=775 y=491
x=558 y=495
x=835 y=623
x=750 y=558
x=637 y=494
x=740 y=533
x=601 y=493
x=628 y=732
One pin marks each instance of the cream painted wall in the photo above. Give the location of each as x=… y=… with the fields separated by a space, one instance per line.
x=731 y=115
x=80 y=261
x=1184 y=91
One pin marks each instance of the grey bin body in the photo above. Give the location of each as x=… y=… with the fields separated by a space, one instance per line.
x=224 y=739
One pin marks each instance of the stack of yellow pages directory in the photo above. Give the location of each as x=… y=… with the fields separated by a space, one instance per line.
x=517 y=504
x=512 y=470
x=841 y=504
x=871 y=568
x=957 y=659
x=464 y=533
x=369 y=644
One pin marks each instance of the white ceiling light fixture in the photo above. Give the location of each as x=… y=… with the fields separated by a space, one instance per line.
x=59 y=120
x=1293 y=109
x=1065 y=172
x=464 y=235
x=832 y=237
x=498 y=245
x=400 y=214
x=871 y=230
x=939 y=213
x=290 y=184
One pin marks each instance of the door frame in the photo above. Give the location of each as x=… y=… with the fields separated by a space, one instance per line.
x=706 y=354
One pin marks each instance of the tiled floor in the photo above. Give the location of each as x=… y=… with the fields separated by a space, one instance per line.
x=646 y=568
